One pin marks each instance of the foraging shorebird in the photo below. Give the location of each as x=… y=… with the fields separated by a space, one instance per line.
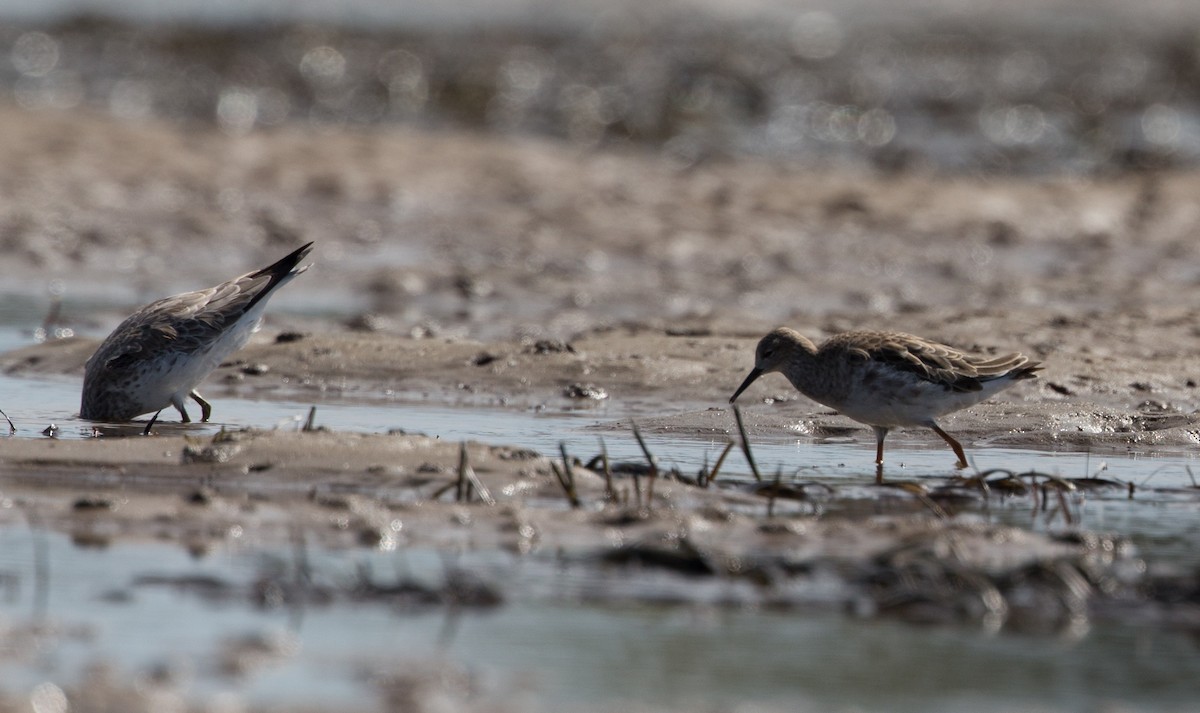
x=887 y=379
x=158 y=356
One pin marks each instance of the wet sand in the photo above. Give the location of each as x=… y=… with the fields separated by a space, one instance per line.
x=454 y=268
x=465 y=270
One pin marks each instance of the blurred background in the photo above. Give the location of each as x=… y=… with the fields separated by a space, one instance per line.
x=538 y=167
x=1032 y=87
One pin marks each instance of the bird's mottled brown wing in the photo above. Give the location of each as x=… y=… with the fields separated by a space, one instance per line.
x=932 y=361
x=203 y=316
x=145 y=341
x=181 y=323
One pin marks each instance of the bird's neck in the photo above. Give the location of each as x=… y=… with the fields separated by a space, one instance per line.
x=806 y=371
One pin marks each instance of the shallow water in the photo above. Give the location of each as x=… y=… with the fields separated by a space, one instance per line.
x=1161 y=518
x=110 y=605
x=93 y=609
x=35 y=404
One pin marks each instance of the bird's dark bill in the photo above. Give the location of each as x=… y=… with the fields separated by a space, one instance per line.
x=754 y=374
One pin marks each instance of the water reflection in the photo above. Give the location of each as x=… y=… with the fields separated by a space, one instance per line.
x=246 y=620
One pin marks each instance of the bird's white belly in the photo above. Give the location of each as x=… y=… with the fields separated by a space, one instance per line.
x=909 y=402
x=173 y=377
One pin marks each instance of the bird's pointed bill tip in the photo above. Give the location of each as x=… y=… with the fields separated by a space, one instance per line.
x=754 y=374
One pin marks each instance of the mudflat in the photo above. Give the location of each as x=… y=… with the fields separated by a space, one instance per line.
x=465 y=270
x=514 y=270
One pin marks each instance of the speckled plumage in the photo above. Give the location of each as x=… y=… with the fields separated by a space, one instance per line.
x=159 y=354
x=887 y=379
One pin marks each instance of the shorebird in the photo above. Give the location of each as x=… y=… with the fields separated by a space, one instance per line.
x=159 y=354
x=887 y=379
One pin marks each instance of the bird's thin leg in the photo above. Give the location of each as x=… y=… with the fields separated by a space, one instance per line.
x=205 y=407
x=958 y=449
x=880 y=434
x=178 y=404
x=150 y=425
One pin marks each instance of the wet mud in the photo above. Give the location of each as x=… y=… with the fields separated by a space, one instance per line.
x=919 y=551
x=500 y=246
x=542 y=276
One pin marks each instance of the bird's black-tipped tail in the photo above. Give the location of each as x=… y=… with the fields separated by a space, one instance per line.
x=280 y=272
x=284 y=267
x=1027 y=371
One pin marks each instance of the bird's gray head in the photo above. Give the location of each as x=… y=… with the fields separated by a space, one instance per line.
x=775 y=350
x=773 y=353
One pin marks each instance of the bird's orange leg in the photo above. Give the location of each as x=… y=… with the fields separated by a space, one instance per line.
x=958 y=449
x=880 y=434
